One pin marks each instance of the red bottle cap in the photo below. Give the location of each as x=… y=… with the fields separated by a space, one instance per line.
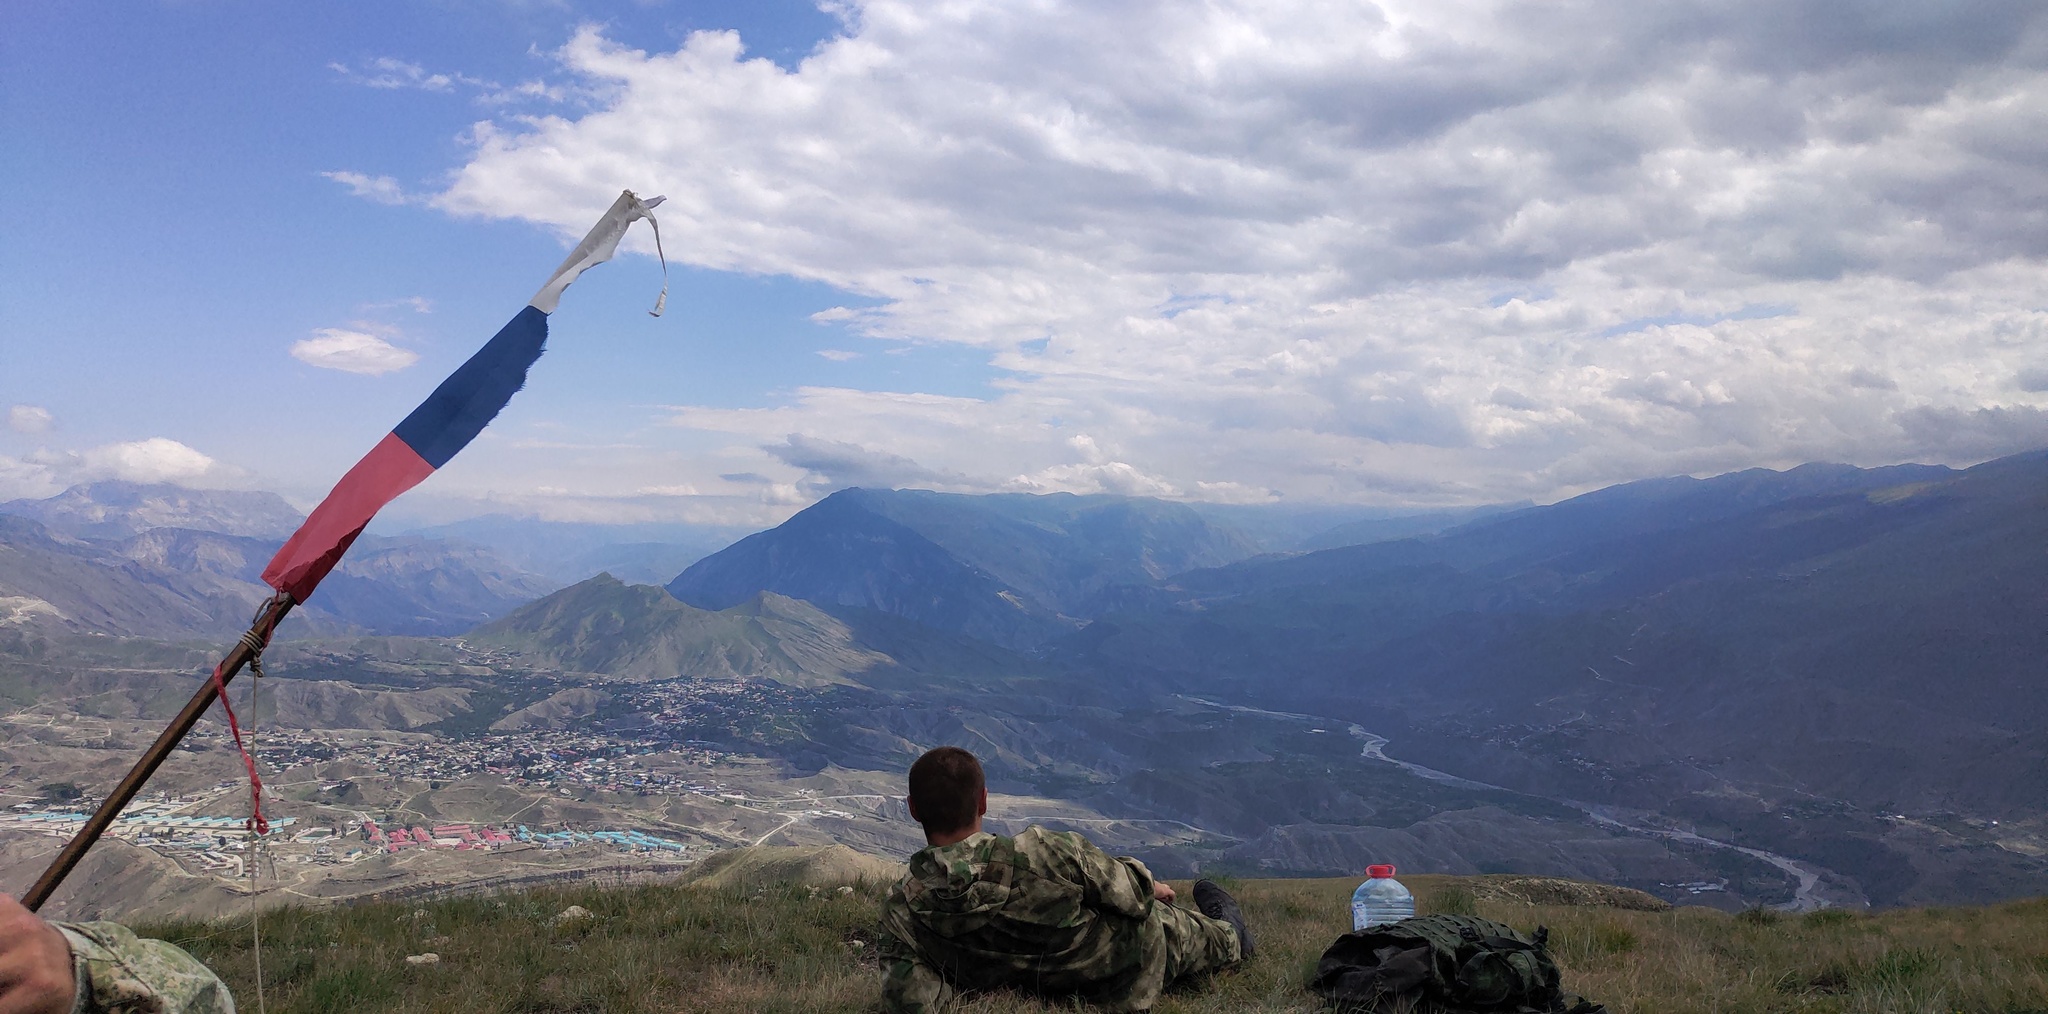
x=1377 y=872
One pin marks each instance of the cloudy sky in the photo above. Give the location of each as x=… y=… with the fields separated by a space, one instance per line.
x=1398 y=253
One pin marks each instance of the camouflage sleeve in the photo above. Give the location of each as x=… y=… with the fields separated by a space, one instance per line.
x=119 y=971
x=910 y=985
x=1120 y=885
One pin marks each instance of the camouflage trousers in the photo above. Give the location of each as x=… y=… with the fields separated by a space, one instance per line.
x=1177 y=944
x=1194 y=943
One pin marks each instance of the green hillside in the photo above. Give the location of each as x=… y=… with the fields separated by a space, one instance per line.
x=604 y=625
x=796 y=949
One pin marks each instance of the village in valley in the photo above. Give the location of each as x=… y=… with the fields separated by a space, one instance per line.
x=326 y=771
x=625 y=778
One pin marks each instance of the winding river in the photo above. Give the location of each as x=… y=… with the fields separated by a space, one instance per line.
x=1806 y=898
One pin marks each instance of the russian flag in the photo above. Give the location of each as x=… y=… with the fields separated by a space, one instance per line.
x=448 y=420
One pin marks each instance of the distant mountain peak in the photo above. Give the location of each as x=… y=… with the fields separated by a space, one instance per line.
x=116 y=509
x=175 y=581
x=1013 y=569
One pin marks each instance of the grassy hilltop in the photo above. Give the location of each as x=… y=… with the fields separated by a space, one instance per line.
x=796 y=949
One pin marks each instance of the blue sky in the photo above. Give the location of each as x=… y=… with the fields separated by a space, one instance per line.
x=171 y=234
x=1403 y=253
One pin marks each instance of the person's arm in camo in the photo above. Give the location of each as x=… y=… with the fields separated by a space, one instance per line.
x=89 y=968
x=1119 y=885
x=36 y=973
x=910 y=985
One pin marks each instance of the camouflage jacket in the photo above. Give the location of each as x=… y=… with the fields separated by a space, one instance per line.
x=1045 y=911
x=121 y=973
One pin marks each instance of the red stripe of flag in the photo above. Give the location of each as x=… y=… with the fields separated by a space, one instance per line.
x=389 y=469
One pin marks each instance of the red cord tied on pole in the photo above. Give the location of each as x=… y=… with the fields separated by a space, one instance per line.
x=256 y=822
x=255 y=639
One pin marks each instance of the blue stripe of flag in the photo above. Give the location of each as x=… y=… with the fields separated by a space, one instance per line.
x=477 y=391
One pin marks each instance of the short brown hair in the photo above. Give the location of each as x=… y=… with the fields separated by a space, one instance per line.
x=945 y=789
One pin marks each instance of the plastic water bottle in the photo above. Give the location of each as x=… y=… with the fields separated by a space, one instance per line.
x=1380 y=900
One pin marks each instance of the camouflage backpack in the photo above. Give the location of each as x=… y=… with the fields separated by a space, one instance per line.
x=1436 y=963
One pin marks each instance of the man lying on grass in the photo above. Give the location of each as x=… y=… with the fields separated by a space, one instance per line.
x=1046 y=911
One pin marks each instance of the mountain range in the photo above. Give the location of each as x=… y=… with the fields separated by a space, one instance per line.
x=566 y=552
x=1869 y=635
x=166 y=562
x=116 y=510
x=1836 y=664
x=160 y=560
x=1828 y=661
x=1015 y=570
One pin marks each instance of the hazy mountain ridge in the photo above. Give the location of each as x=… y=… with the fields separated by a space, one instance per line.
x=1875 y=645
x=1791 y=548
x=1058 y=550
x=568 y=551
x=1400 y=526
x=1012 y=569
x=1518 y=538
x=65 y=583
x=115 y=509
x=841 y=552
x=1717 y=649
x=173 y=582
x=424 y=586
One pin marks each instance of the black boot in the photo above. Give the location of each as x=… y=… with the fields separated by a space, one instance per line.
x=1216 y=903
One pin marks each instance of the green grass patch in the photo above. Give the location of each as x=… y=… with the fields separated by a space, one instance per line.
x=1759 y=916
x=1452 y=900
x=793 y=950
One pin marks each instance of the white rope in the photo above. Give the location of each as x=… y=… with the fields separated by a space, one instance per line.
x=255 y=836
x=661 y=301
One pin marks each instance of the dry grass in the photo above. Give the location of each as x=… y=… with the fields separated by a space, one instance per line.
x=676 y=949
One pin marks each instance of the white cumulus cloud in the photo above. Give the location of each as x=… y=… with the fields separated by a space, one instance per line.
x=29 y=418
x=378 y=189
x=157 y=459
x=352 y=352
x=48 y=471
x=1108 y=477
x=390 y=74
x=26 y=480
x=1415 y=250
